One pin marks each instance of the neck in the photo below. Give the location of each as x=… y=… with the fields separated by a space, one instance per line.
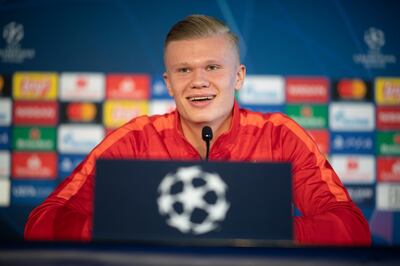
x=192 y=133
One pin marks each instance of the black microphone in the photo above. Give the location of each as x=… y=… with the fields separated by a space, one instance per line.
x=207 y=136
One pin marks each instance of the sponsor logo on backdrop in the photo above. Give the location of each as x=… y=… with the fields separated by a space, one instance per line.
x=308 y=90
x=13 y=34
x=387 y=91
x=134 y=87
x=82 y=87
x=363 y=196
x=35 y=113
x=5 y=111
x=5 y=164
x=31 y=193
x=119 y=112
x=352 y=90
x=352 y=116
x=374 y=38
x=388 y=169
x=309 y=116
x=35 y=86
x=67 y=163
x=262 y=90
x=388 y=197
x=388 y=117
x=5 y=86
x=79 y=139
x=159 y=107
x=5 y=137
x=353 y=142
x=158 y=89
x=34 y=165
x=80 y=112
x=34 y=138
x=389 y=143
x=321 y=137
x=354 y=169
x=5 y=192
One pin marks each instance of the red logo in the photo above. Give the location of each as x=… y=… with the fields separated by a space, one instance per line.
x=352 y=89
x=34 y=165
x=34 y=133
x=321 y=137
x=135 y=87
x=35 y=113
x=352 y=164
x=388 y=117
x=388 y=169
x=309 y=90
x=306 y=111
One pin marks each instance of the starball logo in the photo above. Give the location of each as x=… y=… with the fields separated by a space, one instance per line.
x=375 y=39
x=13 y=34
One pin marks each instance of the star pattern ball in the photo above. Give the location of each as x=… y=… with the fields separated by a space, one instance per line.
x=193 y=201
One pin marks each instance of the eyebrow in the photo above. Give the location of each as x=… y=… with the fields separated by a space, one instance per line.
x=185 y=64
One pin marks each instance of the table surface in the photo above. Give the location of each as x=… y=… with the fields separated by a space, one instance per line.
x=144 y=254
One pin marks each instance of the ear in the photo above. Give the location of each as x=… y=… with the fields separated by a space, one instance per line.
x=240 y=75
x=168 y=84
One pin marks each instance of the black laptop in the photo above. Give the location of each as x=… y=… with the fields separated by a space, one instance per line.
x=193 y=202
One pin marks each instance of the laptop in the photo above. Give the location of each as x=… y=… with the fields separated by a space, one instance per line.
x=193 y=202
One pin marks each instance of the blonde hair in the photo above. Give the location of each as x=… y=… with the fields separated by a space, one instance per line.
x=200 y=26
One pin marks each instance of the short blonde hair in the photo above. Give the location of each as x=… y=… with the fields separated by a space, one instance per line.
x=200 y=26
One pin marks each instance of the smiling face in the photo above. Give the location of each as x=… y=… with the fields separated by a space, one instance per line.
x=202 y=75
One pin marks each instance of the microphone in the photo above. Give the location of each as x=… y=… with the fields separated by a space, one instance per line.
x=207 y=135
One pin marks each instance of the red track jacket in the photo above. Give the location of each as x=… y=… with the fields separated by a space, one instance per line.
x=328 y=214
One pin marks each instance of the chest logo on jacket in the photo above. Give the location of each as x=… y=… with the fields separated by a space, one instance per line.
x=192 y=200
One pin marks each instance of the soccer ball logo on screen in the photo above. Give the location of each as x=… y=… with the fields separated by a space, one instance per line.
x=192 y=200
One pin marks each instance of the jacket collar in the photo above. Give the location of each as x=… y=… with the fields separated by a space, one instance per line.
x=230 y=134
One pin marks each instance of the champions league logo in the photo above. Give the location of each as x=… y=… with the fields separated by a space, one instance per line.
x=375 y=40
x=13 y=33
x=193 y=201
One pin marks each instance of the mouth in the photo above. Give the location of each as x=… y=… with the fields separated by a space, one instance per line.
x=201 y=98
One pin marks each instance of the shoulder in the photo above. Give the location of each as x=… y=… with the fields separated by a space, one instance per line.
x=258 y=119
x=144 y=123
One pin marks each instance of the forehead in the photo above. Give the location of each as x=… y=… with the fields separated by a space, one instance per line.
x=212 y=47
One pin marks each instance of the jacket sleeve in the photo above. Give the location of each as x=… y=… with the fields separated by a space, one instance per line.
x=64 y=216
x=67 y=213
x=329 y=216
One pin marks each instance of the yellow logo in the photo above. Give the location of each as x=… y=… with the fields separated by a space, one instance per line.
x=118 y=112
x=387 y=91
x=35 y=86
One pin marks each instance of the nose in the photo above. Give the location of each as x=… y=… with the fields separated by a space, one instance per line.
x=199 y=79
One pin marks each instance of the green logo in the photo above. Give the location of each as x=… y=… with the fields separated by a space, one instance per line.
x=388 y=143
x=309 y=116
x=34 y=138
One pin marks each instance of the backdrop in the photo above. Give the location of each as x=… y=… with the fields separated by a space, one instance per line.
x=70 y=71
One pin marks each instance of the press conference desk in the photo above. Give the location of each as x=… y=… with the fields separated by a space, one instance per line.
x=134 y=254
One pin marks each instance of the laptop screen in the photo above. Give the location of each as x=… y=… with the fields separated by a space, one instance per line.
x=191 y=202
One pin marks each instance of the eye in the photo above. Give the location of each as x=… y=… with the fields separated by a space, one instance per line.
x=212 y=67
x=183 y=70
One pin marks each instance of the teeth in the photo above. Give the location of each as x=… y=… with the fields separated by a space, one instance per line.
x=201 y=98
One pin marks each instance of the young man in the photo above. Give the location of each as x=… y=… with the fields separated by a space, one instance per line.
x=203 y=71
